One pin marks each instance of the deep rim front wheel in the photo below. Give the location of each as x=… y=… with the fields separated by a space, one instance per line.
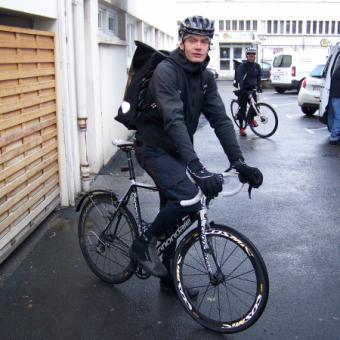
x=235 y=296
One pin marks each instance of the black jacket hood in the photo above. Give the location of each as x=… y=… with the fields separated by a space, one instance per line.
x=178 y=57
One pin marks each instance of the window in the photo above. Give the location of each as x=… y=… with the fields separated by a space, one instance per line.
x=227 y=25
x=254 y=25
x=108 y=22
x=269 y=27
x=326 y=27
x=224 y=57
x=333 y=27
x=287 y=27
x=112 y=24
x=234 y=25
x=241 y=25
x=294 y=27
x=320 y=27
x=308 y=27
x=282 y=23
x=131 y=36
x=338 y=27
x=221 y=25
x=315 y=23
x=101 y=18
x=248 y=25
x=300 y=27
x=282 y=61
x=275 y=26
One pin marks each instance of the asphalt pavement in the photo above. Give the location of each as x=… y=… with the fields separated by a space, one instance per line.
x=48 y=292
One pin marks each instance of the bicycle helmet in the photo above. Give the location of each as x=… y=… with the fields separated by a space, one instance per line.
x=251 y=49
x=197 y=25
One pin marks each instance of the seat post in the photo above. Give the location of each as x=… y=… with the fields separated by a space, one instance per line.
x=130 y=164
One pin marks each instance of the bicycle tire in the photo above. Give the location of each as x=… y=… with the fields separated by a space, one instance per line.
x=244 y=281
x=267 y=121
x=234 y=107
x=107 y=255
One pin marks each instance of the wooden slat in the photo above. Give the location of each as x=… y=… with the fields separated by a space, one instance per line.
x=23 y=59
x=41 y=45
x=10 y=154
x=10 y=91
x=7 y=75
x=20 y=104
x=12 y=137
x=17 y=213
x=25 y=30
x=29 y=188
x=11 y=235
x=27 y=175
x=26 y=117
x=27 y=160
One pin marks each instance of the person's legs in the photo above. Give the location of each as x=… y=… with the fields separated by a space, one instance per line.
x=242 y=101
x=335 y=131
x=174 y=185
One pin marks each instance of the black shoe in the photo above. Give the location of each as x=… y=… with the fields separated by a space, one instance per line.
x=167 y=286
x=144 y=252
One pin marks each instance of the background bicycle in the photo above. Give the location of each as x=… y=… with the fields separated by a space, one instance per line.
x=220 y=262
x=262 y=114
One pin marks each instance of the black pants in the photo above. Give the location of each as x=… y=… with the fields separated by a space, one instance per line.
x=242 y=102
x=169 y=175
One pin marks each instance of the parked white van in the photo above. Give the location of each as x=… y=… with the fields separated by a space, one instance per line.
x=290 y=69
x=333 y=59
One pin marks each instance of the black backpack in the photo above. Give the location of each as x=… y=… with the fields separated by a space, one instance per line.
x=135 y=102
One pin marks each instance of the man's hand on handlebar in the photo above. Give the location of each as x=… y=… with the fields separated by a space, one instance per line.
x=210 y=183
x=248 y=174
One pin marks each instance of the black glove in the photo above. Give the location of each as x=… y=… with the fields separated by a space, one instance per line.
x=210 y=183
x=248 y=174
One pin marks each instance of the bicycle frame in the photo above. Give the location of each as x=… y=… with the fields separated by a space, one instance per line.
x=187 y=221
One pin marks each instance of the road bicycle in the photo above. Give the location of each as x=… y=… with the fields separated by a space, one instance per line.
x=218 y=261
x=261 y=117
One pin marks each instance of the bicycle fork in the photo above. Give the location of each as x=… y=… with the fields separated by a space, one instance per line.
x=208 y=249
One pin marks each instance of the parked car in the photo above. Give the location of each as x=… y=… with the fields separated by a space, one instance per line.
x=290 y=69
x=213 y=71
x=309 y=94
x=265 y=70
x=324 y=110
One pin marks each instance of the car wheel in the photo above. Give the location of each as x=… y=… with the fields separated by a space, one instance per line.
x=307 y=110
x=279 y=89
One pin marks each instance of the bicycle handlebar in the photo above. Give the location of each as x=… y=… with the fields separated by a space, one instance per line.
x=225 y=193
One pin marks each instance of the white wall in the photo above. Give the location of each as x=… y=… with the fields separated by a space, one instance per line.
x=45 y=8
x=157 y=13
x=112 y=84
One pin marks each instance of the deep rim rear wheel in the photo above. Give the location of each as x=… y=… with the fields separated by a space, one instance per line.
x=236 y=295
x=107 y=253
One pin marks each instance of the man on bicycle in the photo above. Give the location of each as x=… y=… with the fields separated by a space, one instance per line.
x=181 y=88
x=248 y=77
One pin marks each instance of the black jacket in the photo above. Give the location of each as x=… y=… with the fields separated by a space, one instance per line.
x=182 y=91
x=248 y=76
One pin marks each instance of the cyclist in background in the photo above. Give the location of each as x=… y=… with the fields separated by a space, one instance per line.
x=248 y=77
x=181 y=88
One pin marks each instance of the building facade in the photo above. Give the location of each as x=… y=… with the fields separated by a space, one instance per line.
x=272 y=26
x=63 y=70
